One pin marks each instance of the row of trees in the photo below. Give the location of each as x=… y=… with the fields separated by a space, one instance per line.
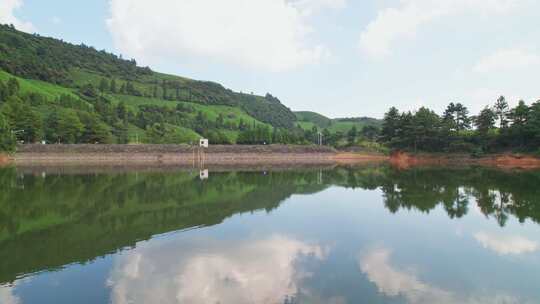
x=33 y=118
x=495 y=128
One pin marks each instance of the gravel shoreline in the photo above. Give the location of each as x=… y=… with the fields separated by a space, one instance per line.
x=172 y=154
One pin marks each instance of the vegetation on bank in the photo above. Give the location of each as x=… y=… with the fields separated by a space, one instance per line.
x=57 y=92
x=496 y=128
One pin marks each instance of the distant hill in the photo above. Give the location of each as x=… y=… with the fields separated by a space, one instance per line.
x=314 y=118
x=307 y=120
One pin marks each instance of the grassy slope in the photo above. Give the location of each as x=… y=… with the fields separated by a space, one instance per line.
x=52 y=91
x=231 y=114
x=313 y=118
x=190 y=91
x=307 y=120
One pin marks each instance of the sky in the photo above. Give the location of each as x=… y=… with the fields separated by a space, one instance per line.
x=341 y=58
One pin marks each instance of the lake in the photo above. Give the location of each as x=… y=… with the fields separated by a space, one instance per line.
x=366 y=234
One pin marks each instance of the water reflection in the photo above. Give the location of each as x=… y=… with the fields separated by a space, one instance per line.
x=506 y=244
x=393 y=282
x=7 y=296
x=290 y=236
x=212 y=271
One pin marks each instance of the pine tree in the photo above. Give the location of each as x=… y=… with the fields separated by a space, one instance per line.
x=391 y=124
x=7 y=139
x=164 y=88
x=12 y=87
x=485 y=121
x=112 y=87
x=501 y=110
x=103 y=85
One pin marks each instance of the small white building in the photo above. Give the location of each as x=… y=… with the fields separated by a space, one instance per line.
x=203 y=142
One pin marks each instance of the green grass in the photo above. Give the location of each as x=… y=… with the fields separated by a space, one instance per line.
x=306 y=125
x=136 y=135
x=317 y=119
x=49 y=90
x=344 y=126
x=188 y=135
x=307 y=120
x=81 y=77
x=231 y=114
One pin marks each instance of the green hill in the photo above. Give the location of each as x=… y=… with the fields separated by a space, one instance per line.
x=68 y=65
x=63 y=93
x=101 y=97
x=307 y=120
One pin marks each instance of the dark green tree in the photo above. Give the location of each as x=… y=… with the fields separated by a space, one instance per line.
x=501 y=110
x=425 y=128
x=7 y=138
x=456 y=117
x=391 y=124
x=220 y=120
x=370 y=132
x=533 y=126
x=103 y=85
x=326 y=136
x=23 y=120
x=123 y=88
x=112 y=86
x=3 y=92
x=89 y=90
x=13 y=87
x=64 y=126
x=155 y=133
x=164 y=89
x=120 y=131
x=351 y=135
x=122 y=112
x=95 y=130
x=485 y=121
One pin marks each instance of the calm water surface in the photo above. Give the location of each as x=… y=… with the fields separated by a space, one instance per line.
x=369 y=234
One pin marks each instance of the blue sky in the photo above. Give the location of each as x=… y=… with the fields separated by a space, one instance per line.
x=337 y=57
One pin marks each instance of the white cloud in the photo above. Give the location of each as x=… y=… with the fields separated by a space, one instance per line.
x=262 y=34
x=7 y=9
x=7 y=296
x=405 y=20
x=310 y=7
x=210 y=271
x=507 y=60
x=506 y=244
x=394 y=282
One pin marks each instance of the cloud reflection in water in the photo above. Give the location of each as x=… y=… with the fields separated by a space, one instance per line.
x=393 y=282
x=506 y=244
x=210 y=271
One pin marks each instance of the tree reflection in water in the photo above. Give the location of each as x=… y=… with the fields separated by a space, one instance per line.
x=71 y=218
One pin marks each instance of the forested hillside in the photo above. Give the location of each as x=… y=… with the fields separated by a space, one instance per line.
x=55 y=61
x=58 y=92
